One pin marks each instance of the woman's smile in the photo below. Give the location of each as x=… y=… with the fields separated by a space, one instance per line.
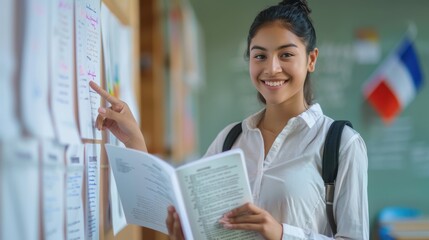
x=274 y=83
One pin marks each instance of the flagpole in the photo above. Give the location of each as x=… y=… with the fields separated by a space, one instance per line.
x=412 y=31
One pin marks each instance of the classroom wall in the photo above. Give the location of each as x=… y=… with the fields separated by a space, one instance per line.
x=398 y=152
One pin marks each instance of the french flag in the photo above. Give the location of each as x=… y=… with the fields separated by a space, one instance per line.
x=395 y=83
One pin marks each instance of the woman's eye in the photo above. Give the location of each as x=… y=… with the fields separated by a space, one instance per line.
x=259 y=57
x=286 y=55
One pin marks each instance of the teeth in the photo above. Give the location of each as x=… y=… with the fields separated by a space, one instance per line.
x=274 y=83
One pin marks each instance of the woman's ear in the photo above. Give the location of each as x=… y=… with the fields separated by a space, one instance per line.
x=312 y=58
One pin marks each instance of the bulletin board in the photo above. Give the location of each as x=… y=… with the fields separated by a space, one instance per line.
x=55 y=177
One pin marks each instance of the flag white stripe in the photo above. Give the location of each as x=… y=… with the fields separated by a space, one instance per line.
x=400 y=80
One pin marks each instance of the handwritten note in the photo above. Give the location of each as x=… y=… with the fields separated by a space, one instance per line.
x=75 y=223
x=53 y=190
x=8 y=122
x=19 y=203
x=34 y=70
x=88 y=53
x=92 y=153
x=62 y=71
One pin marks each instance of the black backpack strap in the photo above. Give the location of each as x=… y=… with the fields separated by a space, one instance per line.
x=231 y=137
x=330 y=166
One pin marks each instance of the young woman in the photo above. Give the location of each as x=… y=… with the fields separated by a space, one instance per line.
x=283 y=143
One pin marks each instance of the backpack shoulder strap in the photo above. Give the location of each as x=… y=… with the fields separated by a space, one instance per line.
x=231 y=137
x=330 y=166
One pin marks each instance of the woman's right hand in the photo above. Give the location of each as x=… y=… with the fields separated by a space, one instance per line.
x=119 y=120
x=173 y=225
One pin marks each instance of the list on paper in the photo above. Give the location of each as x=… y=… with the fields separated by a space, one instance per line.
x=88 y=53
x=19 y=203
x=75 y=222
x=34 y=70
x=53 y=190
x=92 y=153
x=62 y=71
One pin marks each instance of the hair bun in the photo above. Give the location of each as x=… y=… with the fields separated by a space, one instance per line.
x=300 y=4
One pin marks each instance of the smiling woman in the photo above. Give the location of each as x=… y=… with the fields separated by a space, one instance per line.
x=397 y=153
x=283 y=142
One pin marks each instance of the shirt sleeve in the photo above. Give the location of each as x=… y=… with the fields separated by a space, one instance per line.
x=350 y=198
x=351 y=194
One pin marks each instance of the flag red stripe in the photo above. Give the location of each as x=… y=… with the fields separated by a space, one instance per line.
x=384 y=102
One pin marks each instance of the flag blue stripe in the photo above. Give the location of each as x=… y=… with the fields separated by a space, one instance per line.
x=409 y=58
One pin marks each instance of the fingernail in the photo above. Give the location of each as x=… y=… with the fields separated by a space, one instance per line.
x=227 y=226
x=101 y=110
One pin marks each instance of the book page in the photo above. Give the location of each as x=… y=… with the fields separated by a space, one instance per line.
x=144 y=186
x=210 y=188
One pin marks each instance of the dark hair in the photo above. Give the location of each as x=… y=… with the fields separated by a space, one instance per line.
x=295 y=16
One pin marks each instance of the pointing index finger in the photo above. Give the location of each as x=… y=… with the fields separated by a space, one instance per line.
x=112 y=100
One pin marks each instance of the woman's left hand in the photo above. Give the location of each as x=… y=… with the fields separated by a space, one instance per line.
x=250 y=217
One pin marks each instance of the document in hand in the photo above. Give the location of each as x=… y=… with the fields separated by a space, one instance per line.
x=201 y=191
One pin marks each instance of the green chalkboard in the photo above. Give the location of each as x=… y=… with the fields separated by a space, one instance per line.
x=399 y=152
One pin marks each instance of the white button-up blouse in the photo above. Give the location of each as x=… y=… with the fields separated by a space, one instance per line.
x=288 y=182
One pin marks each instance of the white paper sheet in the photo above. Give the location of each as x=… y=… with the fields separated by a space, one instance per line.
x=119 y=221
x=92 y=158
x=34 y=70
x=124 y=61
x=19 y=203
x=127 y=90
x=88 y=53
x=9 y=127
x=75 y=222
x=62 y=71
x=110 y=31
x=53 y=190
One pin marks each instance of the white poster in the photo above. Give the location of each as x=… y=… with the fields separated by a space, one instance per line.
x=110 y=38
x=34 y=70
x=127 y=89
x=62 y=71
x=9 y=127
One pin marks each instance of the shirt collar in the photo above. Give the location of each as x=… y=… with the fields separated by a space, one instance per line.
x=309 y=117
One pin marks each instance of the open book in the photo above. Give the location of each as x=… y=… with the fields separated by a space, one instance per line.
x=201 y=191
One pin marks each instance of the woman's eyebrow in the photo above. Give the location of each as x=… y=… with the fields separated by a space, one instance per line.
x=287 y=46
x=280 y=47
x=256 y=47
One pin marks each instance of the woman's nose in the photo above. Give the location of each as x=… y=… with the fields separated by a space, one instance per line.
x=274 y=65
